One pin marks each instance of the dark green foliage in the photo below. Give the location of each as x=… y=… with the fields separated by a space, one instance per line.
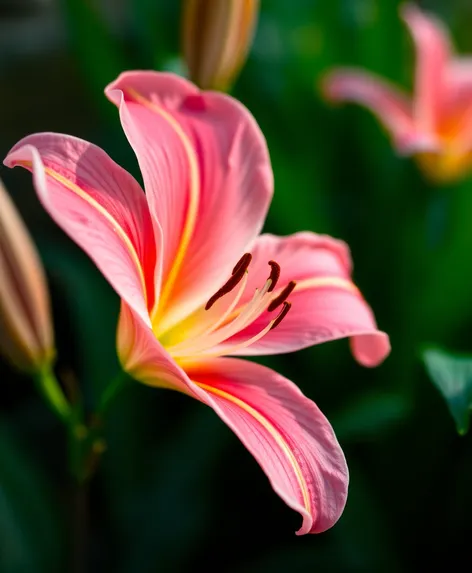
x=176 y=491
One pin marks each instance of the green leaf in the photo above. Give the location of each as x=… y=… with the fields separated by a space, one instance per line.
x=30 y=536
x=452 y=376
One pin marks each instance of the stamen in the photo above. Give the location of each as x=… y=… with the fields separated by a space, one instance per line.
x=244 y=261
x=220 y=325
x=238 y=273
x=223 y=350
x=278 y=300
x=283 y=313
x=274 y=274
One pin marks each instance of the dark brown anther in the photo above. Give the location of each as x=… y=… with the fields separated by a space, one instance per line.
x=243 y=262
x=274 y=275
x=278 y=300
x=282 y=314
x=235 y=278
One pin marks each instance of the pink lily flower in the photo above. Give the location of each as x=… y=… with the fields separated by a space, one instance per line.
x=198 y=283
x=435 y=123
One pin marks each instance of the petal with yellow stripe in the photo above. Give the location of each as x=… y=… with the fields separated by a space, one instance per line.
x=286 y=433
x=326 y=305
x=207 y=177
x=99 y=205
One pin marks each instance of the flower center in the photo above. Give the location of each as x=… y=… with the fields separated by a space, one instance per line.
x=209 y=330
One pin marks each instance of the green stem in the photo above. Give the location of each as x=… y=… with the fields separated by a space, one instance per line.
x=115 y=386
x=86 y=445
x=52 y=392
x=80 y=518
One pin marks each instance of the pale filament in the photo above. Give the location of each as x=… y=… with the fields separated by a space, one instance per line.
x=200 y=343
x=222 y=321
x=223 y=350
x=209 y=320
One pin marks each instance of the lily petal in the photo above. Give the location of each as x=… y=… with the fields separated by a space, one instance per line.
x=220 y=174
x=99 y=205
x=391 y=106
x=433 y=53
x=457 y=121
x=286 y=433
x=326 y=305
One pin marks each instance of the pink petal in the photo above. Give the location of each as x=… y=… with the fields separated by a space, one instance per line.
x=325 y=303
x=433 y=52
x=457 y=121
x=286 y=433
x=207 y=176
x=459 y=76
x=99 y=205
x=390 y=105
x=144 y=357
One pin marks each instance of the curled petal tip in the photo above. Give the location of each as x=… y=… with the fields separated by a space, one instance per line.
x=371 y=349
x=114 y=94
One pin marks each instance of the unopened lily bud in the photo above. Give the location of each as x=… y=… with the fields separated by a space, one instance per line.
x=26 y=333
x=217 y=35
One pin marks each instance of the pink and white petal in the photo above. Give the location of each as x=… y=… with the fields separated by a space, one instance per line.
x=99 y=205
x=223 y=172
x=326 y=305
x=384 y=100
x=434 y=50
x=286 y=433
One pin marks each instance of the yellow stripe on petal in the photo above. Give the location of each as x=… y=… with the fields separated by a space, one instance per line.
x=321 y=282
x=305 y=284
x=93 y=203
x=272 y=431
x=194 y=195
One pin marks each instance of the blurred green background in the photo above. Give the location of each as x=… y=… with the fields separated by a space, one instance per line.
x=176 y=490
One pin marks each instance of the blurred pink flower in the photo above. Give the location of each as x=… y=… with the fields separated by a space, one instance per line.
x=198 y=282
x=26 y=332
x=435 y=124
